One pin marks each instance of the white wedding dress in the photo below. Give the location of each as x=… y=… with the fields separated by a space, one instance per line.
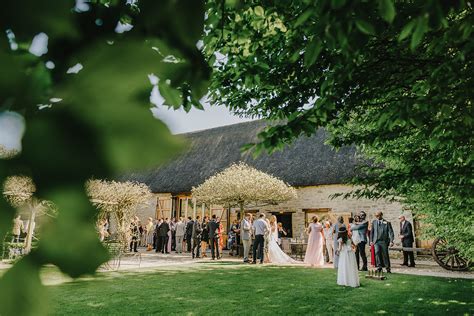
x=347 y=272
x=275 y=254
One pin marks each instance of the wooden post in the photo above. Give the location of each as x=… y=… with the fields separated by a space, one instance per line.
x=194 y=208
x=203 y=209
x=186 y=208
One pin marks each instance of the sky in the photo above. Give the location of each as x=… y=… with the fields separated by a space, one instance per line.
x=179 y=121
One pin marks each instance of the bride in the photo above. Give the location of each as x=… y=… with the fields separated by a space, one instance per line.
x=273 y=250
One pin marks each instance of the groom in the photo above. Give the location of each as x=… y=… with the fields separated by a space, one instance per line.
x=259 y=228
x=381 y=236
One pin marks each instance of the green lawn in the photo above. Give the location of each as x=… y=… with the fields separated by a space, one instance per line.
x=234 y=289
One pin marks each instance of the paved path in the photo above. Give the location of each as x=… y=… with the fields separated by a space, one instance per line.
x=153 y=261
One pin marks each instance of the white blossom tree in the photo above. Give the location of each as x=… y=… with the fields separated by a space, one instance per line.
x=241 y=185
x=120 y=200
x=19 y=192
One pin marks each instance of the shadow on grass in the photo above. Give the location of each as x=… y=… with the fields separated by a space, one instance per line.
x=225 y=287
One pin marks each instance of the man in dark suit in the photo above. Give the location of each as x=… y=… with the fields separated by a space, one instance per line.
x=406 y=235
x=157 y=236
x=189 y=233
x=163 y=236
x=213 y=226
x=196 y=235
x=381 y=236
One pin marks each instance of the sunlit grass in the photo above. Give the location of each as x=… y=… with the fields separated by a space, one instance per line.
x=212 y=289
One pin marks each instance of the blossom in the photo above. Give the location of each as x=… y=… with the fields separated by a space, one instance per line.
x=241 y=184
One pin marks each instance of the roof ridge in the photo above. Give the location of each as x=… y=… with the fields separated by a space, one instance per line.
x=223 y=127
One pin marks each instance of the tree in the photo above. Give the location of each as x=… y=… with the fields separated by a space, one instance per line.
x=119 y=200
x=392 y=77
x=241 y=185
x=19 y=190
x=76 y=81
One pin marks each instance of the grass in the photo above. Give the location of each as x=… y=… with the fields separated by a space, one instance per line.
x=215 y=289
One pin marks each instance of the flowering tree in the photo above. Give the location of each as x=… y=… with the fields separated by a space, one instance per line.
x=119 y=199
x=18 y=191
x=241 y=185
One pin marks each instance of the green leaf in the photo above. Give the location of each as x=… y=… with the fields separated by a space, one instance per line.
x=387 y=10
x=337 y=4
x=76 y=218
x=171 y=95
x=406 y=31
x=420 y=29
x=104 y=94
x=365 y=27
x=23 y=281
x=312 y=52
x=303 y=17
x=259 y=11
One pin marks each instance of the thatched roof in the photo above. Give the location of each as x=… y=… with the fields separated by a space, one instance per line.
x=307 y=162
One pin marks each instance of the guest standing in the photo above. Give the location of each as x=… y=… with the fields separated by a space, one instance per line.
x=214 y=237
x=328 y=240
x=163 y=236
x=169 y=237
x=196 y=235
x=149 y=233
x=189 y=233
x=381 y=236
x=314 y=250
x=246 y=232
x=260 y=227
x=359 y=232
x=180 y=232
x=173 y=233
x=406 y=235
x=135 y=234
x=335 y=231
x=18 y=227
x=205 y=236
x=347 y=274
x=281 y=232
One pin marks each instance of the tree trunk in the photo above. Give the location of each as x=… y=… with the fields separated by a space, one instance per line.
x=31 y=225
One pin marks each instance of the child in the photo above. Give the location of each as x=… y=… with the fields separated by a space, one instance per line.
x=347 y=273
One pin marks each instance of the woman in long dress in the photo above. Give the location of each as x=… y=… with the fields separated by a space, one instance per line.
x=314 y=250
x=347 y=272
x=275 y=254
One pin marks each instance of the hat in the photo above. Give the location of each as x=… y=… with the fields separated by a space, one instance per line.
x=342 y=229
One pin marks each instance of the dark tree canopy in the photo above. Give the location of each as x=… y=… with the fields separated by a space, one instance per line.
x=394 y=78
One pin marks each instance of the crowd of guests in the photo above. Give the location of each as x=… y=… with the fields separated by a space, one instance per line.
x=345 y=245
x=165 y=235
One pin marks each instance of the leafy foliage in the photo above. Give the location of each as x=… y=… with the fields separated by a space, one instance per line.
x=84 y=97
x=392 y=77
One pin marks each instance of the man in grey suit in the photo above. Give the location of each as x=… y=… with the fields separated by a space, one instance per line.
x=381 y=236
x=246 y=235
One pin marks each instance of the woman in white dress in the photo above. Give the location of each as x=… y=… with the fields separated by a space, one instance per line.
x=347 y=272
x=275 y=254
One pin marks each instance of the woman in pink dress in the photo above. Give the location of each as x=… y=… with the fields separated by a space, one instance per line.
x=314 y=250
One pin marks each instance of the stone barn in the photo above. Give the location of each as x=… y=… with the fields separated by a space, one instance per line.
x=315 y=169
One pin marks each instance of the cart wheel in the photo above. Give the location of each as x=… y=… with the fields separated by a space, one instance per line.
x=448 y=257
